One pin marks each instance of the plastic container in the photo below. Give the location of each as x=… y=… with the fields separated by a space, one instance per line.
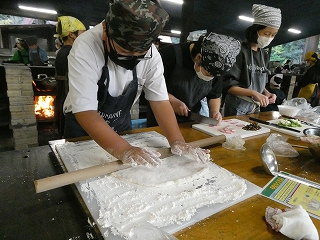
x=288 y=110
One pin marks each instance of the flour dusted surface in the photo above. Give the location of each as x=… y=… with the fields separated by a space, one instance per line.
x=165 y=195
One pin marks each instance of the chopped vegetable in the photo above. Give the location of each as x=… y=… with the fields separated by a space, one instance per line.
x=252 y=127
x=289 y=123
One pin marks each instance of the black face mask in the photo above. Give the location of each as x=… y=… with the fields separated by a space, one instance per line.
x=127 y=64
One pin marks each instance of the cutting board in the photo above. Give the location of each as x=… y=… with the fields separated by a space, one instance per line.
x=288 y=132
x=235 y=124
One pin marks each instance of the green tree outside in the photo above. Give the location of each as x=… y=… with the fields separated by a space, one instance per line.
x=292 y=50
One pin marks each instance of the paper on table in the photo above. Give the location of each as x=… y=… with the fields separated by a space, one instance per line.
x=291 y=193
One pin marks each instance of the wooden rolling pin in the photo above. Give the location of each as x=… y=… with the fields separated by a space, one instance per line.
x=63 y=179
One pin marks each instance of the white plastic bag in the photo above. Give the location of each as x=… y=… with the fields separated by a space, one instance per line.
x=234 y=143
x=280 y=147
x=306 y=113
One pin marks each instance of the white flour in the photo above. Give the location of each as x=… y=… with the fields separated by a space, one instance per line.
x=165 y=195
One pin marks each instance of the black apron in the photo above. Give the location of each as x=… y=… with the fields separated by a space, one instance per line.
x=35 y=58
x=114 y=110
x=186 y=86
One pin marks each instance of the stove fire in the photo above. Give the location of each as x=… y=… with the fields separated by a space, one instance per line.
x=44 y=107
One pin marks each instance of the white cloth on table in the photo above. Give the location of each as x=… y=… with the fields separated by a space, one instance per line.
x=294 y=223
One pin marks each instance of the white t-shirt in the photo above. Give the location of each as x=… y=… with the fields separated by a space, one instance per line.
x=85 y=63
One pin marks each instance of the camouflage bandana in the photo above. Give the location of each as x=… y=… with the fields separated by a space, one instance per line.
x=135 y=24
x=219 y=53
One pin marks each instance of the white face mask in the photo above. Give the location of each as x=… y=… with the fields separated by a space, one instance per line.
x=263 y=41
x=201 y=76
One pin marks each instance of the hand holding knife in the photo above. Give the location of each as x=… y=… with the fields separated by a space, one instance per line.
x=202 y=119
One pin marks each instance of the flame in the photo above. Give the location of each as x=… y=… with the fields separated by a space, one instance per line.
x=44 y=107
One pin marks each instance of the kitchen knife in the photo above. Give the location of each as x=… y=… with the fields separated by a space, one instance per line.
x=304 y=122
x=202 y=119
x=274 y=124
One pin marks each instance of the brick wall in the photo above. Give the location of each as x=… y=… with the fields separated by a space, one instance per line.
x=21 y=105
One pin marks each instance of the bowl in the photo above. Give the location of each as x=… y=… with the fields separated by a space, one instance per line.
x=311 y=131
x=288 y=110
x=315 y=151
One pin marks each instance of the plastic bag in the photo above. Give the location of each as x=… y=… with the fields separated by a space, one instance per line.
x=297 y=102
x=234 y=143
x=146 y=230
x=280 y=147
x=306 y=113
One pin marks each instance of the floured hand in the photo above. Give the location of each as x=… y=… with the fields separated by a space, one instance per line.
x=198 y=154
x=141 y=156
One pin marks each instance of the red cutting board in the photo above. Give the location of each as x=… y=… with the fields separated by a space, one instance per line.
x=235 y=124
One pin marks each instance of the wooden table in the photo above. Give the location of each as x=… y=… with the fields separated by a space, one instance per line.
x=245 y=220
x=56 y=214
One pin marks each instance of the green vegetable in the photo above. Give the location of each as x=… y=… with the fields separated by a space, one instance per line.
x=289 y=123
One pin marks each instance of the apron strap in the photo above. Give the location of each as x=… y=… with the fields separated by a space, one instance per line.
x=101 y=86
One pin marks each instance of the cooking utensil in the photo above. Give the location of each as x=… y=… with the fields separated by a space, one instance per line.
x=304 y=122
x=311 y=131
x=274 y=124
x=268 y=159
x=270 y=165
x=45 y=83
x=314 y=149
x=60 y=180
x=299 y=146
x=202 y=119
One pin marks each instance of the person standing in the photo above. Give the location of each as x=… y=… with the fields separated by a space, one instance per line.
x=109 y=66
x=286 y=67
x=68 y=29
x=37 y=55
x=22 y=54
x=244 y=85
x=58 y=44
x=309 y=83
x=191 y=71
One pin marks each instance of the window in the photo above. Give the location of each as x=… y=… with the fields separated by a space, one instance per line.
x=292 y=50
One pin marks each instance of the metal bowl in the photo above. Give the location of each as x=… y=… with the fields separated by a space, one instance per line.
x=312 y=131
x=315 y=151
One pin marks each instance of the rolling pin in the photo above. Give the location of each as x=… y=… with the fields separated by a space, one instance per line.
x=63 y=179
